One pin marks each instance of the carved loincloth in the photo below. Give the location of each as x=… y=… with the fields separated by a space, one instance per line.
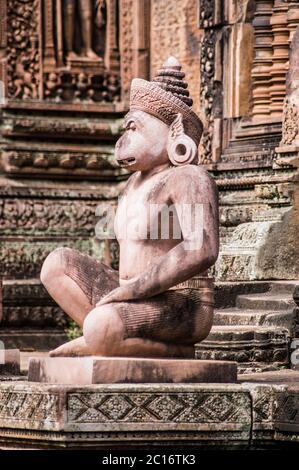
x=183 y=314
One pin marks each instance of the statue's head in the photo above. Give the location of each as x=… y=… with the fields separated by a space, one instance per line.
x=160 y=126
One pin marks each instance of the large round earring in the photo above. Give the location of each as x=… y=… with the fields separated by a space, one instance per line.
x=181 y=149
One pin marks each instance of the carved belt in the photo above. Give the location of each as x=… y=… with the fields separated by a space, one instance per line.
x=199 y=283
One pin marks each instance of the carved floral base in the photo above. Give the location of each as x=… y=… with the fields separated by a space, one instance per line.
x=206 y=416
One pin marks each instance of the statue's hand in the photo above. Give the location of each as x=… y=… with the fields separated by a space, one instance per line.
x=120 y=294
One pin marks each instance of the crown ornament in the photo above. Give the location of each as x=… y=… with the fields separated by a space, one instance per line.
x=165 y=97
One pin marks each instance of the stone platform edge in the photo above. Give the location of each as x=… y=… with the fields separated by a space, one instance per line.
x=206 y=415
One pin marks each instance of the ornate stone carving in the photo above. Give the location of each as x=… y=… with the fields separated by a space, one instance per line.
x=81 y=86
x=232 y=216
x=126 y=38
x=210 y=13
x=31 y=126
x=253 y=349
x=288 y=148
x=245 y=415
x=210 y=95
x=149 y=97
x=170 y=36
x=33 y=316
x=287 y=411
x=81 y=56
x=25 y=259
x=84 y=29
x=48 y=217
x=156 y=407
x=29 y=406
x=42 y=162
x=23 y=57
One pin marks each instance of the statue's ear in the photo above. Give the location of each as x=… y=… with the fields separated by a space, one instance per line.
x=181 y=148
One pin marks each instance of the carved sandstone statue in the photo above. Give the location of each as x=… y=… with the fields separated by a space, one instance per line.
x=86 y=20
x=151 y=307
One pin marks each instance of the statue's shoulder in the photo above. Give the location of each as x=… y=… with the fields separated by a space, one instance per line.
x=190 y=173
x=130 y=180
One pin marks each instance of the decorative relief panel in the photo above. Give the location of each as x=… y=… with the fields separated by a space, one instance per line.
x=23 y=49
x=158 y=407
x=33 y=406
x=63 y=51
x=174 y=31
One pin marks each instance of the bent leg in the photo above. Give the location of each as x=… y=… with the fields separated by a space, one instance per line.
x=166 y=325
x=105 y=335
x=64 y=290
x=76 y=282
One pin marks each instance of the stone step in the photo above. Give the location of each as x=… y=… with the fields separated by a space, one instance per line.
x=235 y=317
x=30 y=339
x=255 y=348
x=246 y=332
x=27 y=304
x=287 y=287
x=266 y=301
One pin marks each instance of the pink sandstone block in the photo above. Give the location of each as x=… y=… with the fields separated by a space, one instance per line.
x=99 y=370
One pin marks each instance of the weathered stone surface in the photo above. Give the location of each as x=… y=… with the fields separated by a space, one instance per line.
x=41 y=339
x=254 y=348
x=61 y=416
x=249 y=253
x=95 y=370
x=214 y=41
x=9 y=360
x=222 y=416
x=257 y=331
x=169 y=36
x=287 y=411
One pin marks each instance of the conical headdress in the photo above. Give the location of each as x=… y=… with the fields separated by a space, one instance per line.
x=166 y=96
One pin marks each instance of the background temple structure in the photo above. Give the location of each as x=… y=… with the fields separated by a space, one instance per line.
x=63 y=101
x=65 y=71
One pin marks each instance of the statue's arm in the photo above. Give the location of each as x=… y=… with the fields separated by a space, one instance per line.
x=199 y=249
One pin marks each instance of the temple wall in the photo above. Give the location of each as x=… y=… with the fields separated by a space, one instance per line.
x=175 y=31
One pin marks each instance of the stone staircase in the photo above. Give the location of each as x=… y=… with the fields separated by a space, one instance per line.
x=256 y=332
x=29 y=319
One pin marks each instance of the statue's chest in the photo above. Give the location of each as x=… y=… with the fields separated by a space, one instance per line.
x=141 y=212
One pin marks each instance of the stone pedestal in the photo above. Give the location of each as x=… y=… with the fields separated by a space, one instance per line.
x=239 y=416
x=95 y=370
x=9 y=361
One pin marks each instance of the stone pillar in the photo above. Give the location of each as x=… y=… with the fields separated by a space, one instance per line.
x=141 y=38
x=112 y=52
x=211 y=79
x=262 y=61
x=49 y=48
x=280 y=56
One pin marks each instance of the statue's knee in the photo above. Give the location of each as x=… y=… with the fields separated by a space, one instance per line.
x=54 y=264
x=103 y=330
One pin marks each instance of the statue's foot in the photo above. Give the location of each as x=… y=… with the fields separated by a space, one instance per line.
x=76 y=347
x=72 y=56
x=91 y=55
